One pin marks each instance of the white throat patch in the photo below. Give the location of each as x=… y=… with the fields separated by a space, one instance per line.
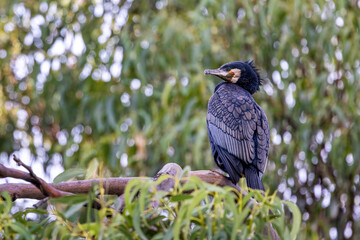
x=237 y=74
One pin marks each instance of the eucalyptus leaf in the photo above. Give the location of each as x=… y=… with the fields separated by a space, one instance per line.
x=69 y=174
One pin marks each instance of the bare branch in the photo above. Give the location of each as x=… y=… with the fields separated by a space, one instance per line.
x=113 y=186
x=216 y=178
x=13 y=173
x=41 y=202
x=44 y=187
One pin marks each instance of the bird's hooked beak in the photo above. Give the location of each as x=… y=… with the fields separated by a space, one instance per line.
x=229 y=76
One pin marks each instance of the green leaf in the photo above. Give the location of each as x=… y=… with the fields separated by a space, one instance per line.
x=71 y=199
x=170 y=233
x=131 y=190
x=136 y=223
x=180 y=197
x=98 y=115
x=125 y=231
x=69 y=174
x=296 y=218
x=200 y=195
x=74 y=208
x=38 y=226
x=5 y=208
x=166 y=95
x=110 y=112
x=92 y=169
x=21 y=230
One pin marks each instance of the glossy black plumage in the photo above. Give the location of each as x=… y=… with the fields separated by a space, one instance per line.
x=238 y=131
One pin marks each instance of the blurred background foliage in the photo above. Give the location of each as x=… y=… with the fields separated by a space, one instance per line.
x=121 y=82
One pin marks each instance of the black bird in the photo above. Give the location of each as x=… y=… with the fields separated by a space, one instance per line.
x=237 y=126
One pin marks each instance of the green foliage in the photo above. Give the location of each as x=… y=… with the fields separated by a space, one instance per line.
x=88 y=105
x=194 y=210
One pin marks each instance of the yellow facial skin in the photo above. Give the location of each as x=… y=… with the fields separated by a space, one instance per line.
x=230 y=76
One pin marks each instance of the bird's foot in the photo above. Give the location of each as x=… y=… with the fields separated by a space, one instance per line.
x=227 y=177
x=223 y=175
x=218 y=173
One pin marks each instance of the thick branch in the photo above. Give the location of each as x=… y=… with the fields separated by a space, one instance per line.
x=13 y=173
x=113 y=186
x=215 y=178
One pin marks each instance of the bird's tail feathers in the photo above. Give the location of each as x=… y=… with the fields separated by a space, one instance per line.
x=234 y=176
x=232 y=165
x=253 y=179
x=224 y=160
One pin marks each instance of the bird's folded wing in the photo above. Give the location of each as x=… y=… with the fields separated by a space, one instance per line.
x=263 y=140
x=233 y=124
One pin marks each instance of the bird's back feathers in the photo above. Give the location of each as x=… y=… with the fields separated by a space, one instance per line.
x=238 y=132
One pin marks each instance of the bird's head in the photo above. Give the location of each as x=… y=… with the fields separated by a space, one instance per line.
x=243 y=74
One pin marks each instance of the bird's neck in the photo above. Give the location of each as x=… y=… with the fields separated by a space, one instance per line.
x=219 y=85
x=248 y=87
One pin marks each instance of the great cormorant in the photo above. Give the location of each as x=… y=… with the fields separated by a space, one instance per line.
x=237 y=126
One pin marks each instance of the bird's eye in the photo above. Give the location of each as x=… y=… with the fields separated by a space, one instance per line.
x=228 y=69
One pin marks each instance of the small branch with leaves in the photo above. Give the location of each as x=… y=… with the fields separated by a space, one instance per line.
x=41 y=190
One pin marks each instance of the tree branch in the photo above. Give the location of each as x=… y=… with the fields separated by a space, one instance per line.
x=112 y=186
x=171 y=169
x=44 y=187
